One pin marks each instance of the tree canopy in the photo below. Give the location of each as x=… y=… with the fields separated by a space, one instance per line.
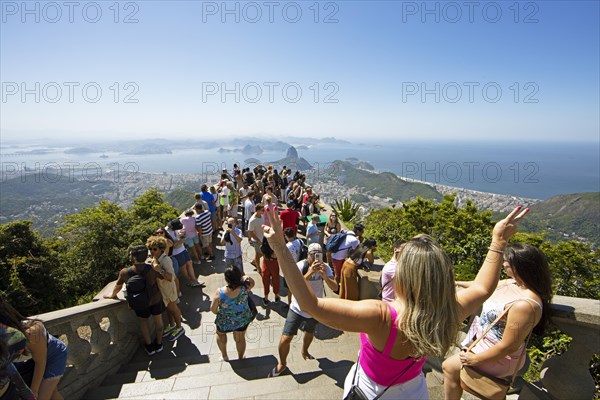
x=89 y=249
x=84 y=255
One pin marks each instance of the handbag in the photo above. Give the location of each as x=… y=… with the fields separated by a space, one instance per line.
x=251 y=305
x=483 y=385
x=356 y=393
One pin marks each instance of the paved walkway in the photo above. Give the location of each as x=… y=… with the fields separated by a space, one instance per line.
x=190 y=367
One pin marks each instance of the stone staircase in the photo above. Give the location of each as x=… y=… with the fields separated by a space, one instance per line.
x=191 y=367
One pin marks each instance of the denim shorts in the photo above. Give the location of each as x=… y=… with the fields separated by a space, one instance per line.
x=56 y=358
x=294 y=321
x=191 y=241
x=182 y=258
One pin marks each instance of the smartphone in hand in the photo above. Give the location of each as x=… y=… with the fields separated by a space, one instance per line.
x=318 y=257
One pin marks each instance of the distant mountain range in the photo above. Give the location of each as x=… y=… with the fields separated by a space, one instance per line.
x=244 y=144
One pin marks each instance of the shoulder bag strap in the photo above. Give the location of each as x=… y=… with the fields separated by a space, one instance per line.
x=512 y=378
x=489 y=327
x=356 y=369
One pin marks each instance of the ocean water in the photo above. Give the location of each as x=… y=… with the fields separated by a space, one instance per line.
x=534 y=170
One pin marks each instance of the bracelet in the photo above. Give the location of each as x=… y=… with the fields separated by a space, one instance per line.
x=495 y=251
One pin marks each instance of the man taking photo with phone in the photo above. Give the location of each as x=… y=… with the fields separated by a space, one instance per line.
x=316 y=273
x=232 y=239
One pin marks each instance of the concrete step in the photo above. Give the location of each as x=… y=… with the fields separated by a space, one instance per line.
x=190 y=367
x=219 y=377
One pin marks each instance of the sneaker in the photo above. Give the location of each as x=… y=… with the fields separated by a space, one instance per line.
x=150 y=349
x=158 y=347
x=277 y=298
x=266 y=301
x=167 y=331
x=175 y=334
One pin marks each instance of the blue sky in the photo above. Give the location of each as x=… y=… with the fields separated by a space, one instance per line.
x=374 y=59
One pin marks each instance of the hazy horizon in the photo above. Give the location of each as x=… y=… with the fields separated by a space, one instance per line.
x=50 y=142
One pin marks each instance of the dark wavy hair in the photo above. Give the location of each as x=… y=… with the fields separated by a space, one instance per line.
x=531 y=266
x=9 y=316
x=359 y=253
x=233 y=277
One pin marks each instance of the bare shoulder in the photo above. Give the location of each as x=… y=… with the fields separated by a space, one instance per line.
x=524 y=311
x=369 y=316
x=35 y=332
x=529 y=304
x=124 y=273
x=35 y=327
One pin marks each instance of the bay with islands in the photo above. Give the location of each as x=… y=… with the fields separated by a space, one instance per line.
x=43 y=183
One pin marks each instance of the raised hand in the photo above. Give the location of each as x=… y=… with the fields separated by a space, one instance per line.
x=274 y=232
x=507 y=227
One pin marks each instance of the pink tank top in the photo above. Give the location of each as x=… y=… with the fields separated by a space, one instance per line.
x=381 y=367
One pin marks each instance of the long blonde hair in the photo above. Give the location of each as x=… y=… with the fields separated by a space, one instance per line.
x=424 y=281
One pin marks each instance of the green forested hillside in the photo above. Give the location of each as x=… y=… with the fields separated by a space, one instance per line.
x=567 y=216
x=181 y=199
x=384 y=184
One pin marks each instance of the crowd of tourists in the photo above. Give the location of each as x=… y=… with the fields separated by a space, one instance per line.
x=298 y=251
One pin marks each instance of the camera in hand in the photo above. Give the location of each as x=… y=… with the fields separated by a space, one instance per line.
x=230 y=225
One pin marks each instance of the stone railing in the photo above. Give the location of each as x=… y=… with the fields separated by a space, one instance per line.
x=99 y=336
x=565 y=376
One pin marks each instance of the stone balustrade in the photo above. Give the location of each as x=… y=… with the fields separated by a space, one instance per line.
x=565 y=376
x=100 y=337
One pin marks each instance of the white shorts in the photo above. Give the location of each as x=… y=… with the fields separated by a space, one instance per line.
x=414 y=389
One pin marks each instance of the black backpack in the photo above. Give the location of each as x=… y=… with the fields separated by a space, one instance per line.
x=303 y=251
x=138 y=290
x=305 y=267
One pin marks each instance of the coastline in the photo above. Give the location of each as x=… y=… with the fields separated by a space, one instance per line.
x=332 y=190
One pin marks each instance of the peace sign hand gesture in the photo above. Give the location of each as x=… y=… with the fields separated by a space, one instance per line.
x=507 y=227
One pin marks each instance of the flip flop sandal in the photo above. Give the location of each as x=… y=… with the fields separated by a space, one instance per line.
x=274 y=372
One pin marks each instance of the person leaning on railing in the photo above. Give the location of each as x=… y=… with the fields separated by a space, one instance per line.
x=43 y=362
x=422 y=321
x=526 y=296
